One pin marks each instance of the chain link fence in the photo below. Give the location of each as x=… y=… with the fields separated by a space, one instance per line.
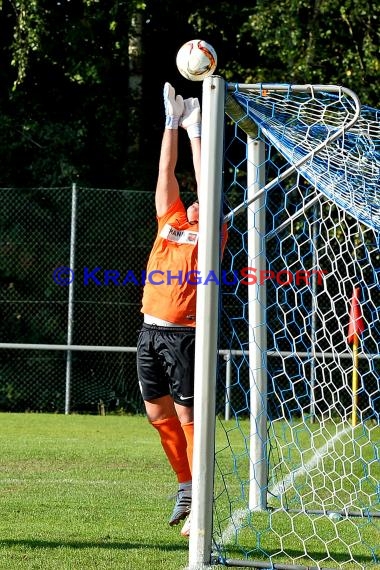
x=71 y=273
x=72 y=264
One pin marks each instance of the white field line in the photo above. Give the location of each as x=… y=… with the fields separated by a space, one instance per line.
x=237 y=518
x=239 y=515
x=288 y=481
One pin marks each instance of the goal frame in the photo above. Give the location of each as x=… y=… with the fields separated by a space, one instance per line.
x=206 y=347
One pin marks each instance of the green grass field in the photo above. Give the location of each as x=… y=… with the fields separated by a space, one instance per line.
x=83 y=492
x=312 y=467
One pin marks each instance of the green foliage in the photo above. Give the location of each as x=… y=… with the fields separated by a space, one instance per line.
x=65 y=92
x=322 y=42
x=81 y=82
x=92 y=24
x=28 y=23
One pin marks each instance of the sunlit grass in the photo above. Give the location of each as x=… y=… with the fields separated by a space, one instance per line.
x=83 y=492
x=314 y=470
x=93 y=492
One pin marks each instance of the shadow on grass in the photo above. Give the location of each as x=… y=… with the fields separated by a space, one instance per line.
x=102 y=543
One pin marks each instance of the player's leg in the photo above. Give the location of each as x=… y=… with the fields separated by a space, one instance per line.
x=183 y=393
x=161 y=413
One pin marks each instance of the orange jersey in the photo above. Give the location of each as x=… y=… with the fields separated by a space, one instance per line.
x=170 y=289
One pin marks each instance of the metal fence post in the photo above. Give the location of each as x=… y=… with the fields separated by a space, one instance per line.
x=70 y=310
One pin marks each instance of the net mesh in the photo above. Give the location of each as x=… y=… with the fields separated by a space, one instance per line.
x=347 y=170
x=297 y=480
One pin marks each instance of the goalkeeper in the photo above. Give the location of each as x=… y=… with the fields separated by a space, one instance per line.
x=166 y=342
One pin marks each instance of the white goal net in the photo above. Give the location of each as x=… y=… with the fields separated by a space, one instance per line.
x=297 y=474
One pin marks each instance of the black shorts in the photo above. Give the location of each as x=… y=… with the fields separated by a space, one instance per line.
x=165 y=363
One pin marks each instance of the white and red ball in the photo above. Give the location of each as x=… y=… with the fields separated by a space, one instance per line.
x=196 y=60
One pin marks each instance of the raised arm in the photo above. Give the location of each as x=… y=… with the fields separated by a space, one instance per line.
x=167 y=188
x=191 y=121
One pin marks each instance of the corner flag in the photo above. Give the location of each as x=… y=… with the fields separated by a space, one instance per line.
x=355 y=329
x=356 y=325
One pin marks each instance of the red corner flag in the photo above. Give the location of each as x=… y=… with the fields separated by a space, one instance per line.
x=356 y=325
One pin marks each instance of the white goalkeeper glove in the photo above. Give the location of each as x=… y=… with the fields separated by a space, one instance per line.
x=173 y=107
x=191 y=117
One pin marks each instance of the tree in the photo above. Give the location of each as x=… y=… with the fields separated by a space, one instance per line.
x=81 y=82
x=66 y=92
x=324 y=41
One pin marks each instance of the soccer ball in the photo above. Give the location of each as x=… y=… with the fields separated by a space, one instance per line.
x=196 y=60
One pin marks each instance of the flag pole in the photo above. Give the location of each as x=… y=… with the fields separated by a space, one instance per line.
x=355 y=329
x=355 y=382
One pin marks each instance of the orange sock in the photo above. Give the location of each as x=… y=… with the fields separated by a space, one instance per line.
x=188 y=430
x=173 y=441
